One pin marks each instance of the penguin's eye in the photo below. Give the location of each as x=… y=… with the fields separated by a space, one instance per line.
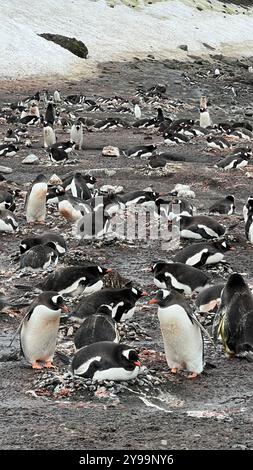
x=100 y=269
x=57 y=299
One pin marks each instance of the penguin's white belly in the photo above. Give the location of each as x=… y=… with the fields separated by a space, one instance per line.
x=38 y=339
x=128 y=314
x=205 y=119
x=215 y=258
x=4 y=227
x=182 y=339
x=36 y=206
x=250 y=235
x=116 y=373
x=68 y=211
x=93 y=288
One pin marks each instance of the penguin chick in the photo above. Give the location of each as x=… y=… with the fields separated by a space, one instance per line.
x=106 y=361
x=234 y=319
x=35 y=204
x=39 y=257
x=182 y=337
x=39 y=328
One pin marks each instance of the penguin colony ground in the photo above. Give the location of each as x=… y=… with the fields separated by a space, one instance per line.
x=177 y=290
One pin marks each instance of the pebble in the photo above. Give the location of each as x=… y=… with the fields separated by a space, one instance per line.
x=5 y=169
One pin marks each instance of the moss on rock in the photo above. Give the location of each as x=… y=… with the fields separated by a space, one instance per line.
x=73 y=45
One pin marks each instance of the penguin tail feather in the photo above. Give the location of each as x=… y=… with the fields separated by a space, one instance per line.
x=63 y=357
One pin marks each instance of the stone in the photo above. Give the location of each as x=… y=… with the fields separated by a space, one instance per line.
x=54 y=180
x=5 y=169
x=183 y=47
x=31 y=159
x=73 y=45
x=110 y=151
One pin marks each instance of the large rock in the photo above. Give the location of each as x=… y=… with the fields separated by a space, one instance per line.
x=31 y=159
x=71 y=44
x=5 y=169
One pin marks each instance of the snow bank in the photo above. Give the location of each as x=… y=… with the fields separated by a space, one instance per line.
x=113 y=33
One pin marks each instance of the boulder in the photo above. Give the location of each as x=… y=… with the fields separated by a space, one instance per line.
x=73 y=45
x=31 y=159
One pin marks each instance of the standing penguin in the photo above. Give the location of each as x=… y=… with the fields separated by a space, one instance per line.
x=204 y=119
x=35 y=203
x=57 y=96
x=76 y=134
x=48 y=135
x=50 y=114
x=182 y=337
x=234 y=319
x=39 y=329
x=248 y=217
x=137 y=111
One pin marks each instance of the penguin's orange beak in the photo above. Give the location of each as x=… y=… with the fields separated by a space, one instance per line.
x=143 y=294
x=109 y=270
x=153 y=301
x=137 y=363
x=64 y=308
x=232 y=248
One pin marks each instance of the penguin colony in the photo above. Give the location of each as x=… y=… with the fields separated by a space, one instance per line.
x=76 y=199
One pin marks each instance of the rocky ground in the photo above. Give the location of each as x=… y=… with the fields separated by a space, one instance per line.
x=50 y=410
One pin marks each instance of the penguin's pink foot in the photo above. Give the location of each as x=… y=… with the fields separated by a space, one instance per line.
x=192 y=375
x=49 y=365
x=173 y=370
x=35 y=365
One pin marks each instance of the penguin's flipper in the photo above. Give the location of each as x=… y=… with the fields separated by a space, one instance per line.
x=217 y=325
x=204 y=331
x=17 y=332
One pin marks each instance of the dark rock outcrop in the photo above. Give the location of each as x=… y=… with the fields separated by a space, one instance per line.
x=73 y=45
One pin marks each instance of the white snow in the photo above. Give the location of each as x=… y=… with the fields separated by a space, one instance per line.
x=114 y=33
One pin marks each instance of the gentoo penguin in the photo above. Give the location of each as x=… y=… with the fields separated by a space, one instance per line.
x=57 y=155
x=217 y=143
x=66 y=146
x=233 y=161
x=11 y=136
x=50 y=113
x=76 y=135
x=34 y=110
x=161 y=159
x=248 y=207
x=72 y=208
x=7 y=200
x=140 y=151
x=49 y=135
x=240 y=133
x=108 y=123
x=179 y=276
x=208 y=299
x=96 y=328
x=54 y=239
x=8 y=222
x=39 y=329
x=182 y=336
x=87 y=179
x=179 y=207
x=75 y=280
x=92 y=225
x=137 y=111
x=106 y=361
x=29 y=120
x=200 y=226
x=178 y=124
x=53 y=194
x=225 y=205
x=204 y=118
x=76 y=184
x=122 y=301
x=57 y=96
x=201 y=254
x=8 y=150
x=138 y=197
x=234 y=319
x=171 y=137
x=35 y=204
x=248 y=216
x=39 y=257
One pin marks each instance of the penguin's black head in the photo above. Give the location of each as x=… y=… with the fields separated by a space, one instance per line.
x=161 y=298
x=128 y=357
x=103 y=271
x=158 y=266
x=55 y=301
x=137 y=293
x=90 y=179
x=40 y=179
x=235 y=283
x=28 y=243
x=230 y=198
x=223 y=246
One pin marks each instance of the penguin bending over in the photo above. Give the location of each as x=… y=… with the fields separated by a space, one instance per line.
x=234 y=319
